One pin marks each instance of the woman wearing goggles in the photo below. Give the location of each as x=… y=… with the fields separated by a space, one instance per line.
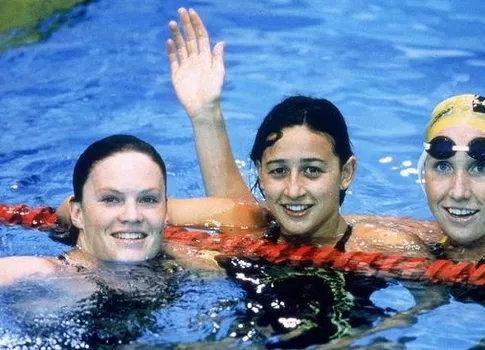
x=453 y=163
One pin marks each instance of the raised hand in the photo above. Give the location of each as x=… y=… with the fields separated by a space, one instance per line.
x=197 y=74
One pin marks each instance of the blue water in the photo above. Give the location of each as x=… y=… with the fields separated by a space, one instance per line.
x=385 y=65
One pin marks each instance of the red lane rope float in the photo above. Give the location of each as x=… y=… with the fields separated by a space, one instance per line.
x=42 y=218
x=421 y=269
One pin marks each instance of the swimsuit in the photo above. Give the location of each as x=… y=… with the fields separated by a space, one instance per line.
x=272 y=234
x=340 y=245
x=438 y=251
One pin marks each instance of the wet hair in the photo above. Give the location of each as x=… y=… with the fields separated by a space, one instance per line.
x=97 y=152
x=318 y=114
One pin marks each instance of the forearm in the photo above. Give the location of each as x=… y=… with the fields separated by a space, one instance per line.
x=225 y=214
x=220 y=173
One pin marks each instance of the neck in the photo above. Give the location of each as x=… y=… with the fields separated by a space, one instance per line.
x=79 y=257
x=325 y=236
x=83 y=245
x=470 y=251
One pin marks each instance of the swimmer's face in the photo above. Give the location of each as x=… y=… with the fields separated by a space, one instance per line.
x=123 y=210
x=455 y=188
x=301 y=178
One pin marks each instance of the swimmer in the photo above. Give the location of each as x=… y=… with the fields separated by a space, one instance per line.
x=302 y=153
x=118 y=211
x=453 y=163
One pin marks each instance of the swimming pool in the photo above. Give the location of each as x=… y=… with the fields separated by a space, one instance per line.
x=103 y=70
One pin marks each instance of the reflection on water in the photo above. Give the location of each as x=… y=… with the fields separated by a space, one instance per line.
x=100 y=69
x=116 y=304
x=159 y=304
x=295 y=307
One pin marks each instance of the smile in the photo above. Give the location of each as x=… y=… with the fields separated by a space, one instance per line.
x=296 y=208
x=129 y=235
x=461 y=212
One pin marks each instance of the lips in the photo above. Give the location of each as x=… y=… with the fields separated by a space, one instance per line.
x=461 y=213
x=296 y=209
x=132 y=236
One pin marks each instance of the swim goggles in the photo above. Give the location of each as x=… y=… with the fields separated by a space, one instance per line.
x=442 y=147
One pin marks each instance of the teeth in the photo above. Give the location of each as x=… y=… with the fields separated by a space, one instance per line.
x=129 y=235
x=461 y=212
x=296 y=207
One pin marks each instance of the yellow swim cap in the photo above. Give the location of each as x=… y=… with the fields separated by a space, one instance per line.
x=457 y=110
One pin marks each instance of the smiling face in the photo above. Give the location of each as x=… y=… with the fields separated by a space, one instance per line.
x=123 y=210
x=301 y=178
x=455 y=188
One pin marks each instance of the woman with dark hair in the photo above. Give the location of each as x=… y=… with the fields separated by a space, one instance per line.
x=119 y=210
x=302 y=154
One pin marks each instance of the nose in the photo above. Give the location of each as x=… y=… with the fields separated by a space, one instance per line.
x=130 y=212
x=295 y=186
x=460 y=186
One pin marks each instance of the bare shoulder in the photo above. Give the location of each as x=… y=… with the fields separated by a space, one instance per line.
x=16 y=268
x=388 y=240
x=427 y=231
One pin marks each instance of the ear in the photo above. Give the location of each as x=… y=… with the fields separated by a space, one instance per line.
x=260 y=171
x=76 y=213
x=167 y=218
x=348 y=172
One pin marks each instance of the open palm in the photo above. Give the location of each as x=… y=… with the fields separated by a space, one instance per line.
x=197 y=74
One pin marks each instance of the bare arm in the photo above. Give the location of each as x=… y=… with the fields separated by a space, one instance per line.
x=427 y=231
x=63 y=212
x=197 y=75
x=225 y=214
x=16 y=268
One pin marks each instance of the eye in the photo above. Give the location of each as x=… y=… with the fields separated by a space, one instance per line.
x=110 y=200
x=278 y=172
x=312 y=171
x=149 y=199
x=477 y=169
x=442 y=167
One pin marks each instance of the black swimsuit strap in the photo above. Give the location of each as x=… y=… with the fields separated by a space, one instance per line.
x=340 y=246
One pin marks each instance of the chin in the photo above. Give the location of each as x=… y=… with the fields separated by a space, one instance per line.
x=463 y=239
x=131 y=256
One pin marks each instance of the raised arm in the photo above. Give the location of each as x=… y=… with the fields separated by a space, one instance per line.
x=197 y=75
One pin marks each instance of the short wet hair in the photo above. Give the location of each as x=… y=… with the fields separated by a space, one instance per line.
x=96 y=152
x=105 y=148
x=318 y=114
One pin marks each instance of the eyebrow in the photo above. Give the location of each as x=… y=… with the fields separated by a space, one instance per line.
x=304 y=160
x=148 y=190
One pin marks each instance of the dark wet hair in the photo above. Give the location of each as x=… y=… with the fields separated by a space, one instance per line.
x=318 y=114
x=95 y=153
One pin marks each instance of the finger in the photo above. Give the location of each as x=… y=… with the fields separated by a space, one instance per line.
x=218 y=58
x=200 y=32
x=191 y=41
x=172 y=56
x=178 y=39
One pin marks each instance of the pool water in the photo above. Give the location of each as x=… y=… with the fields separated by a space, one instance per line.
x=100 y=68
